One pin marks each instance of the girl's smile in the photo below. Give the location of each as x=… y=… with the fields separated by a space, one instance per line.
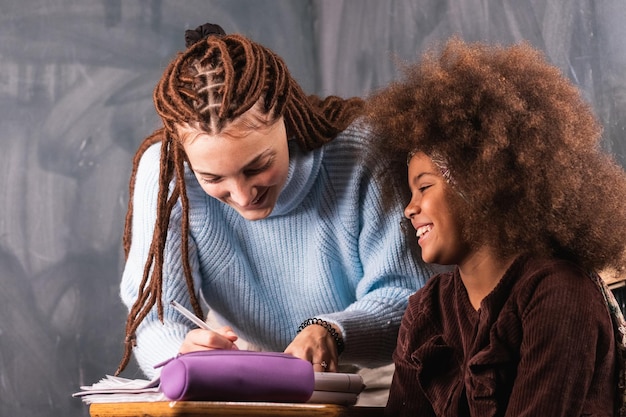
x=438 y=231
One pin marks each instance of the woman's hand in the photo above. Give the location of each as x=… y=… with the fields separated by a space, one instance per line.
x=200 y=339
x=315 y=344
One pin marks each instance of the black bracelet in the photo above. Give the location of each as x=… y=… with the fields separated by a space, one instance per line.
x=327 y=326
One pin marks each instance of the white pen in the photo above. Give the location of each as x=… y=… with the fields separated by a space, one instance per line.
x=191 y=316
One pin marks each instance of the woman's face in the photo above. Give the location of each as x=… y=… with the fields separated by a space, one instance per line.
x=247 y=172
x=438 y=231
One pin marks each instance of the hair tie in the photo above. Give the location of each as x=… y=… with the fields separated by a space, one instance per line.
x=202 y=32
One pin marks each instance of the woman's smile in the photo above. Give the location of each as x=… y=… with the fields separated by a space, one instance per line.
x=247 y=172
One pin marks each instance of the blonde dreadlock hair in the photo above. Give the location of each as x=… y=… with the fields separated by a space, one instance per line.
x=215 y=81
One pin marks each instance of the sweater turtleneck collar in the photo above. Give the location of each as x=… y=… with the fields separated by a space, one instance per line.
x=303 y=170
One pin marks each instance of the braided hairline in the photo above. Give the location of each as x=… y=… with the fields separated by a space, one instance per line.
x=210 y=67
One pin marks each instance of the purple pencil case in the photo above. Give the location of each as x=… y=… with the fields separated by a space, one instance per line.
x=237 y=375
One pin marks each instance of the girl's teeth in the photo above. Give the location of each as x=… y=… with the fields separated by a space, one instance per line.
x=422 y=230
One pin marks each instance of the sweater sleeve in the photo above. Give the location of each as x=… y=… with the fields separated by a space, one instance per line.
x=560 y=345
x=390 y=273
x=406 y=397
x=156 y=340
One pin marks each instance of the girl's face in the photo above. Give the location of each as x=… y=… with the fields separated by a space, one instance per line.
x=247 y=172
x=438 y=231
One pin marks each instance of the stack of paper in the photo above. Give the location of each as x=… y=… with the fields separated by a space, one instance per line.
x=113 y=389
x=329 y=388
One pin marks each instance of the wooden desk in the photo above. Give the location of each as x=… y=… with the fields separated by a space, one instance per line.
x=228 y=409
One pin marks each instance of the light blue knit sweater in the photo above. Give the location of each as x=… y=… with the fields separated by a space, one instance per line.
x=327 y=250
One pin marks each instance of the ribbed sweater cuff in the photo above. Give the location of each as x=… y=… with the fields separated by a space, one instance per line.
x=156 y=343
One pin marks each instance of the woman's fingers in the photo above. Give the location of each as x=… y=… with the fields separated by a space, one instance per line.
x=315 y=345
x=200 y=339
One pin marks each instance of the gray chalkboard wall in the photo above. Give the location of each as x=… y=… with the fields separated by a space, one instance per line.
x=76 y=78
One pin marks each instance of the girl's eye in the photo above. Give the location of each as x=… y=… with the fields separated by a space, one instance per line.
x=423 y=188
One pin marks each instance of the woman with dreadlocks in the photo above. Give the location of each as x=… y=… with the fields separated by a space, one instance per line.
x=259 y=200
x=510 y=185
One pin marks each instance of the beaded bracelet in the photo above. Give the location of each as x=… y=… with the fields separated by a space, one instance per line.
x=327 y=326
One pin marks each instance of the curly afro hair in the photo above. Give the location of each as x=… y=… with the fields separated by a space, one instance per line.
x=522 y=146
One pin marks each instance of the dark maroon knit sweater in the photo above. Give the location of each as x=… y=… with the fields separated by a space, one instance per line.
x=541 y=344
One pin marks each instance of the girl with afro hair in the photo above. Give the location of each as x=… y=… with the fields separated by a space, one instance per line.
x=509 y=184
